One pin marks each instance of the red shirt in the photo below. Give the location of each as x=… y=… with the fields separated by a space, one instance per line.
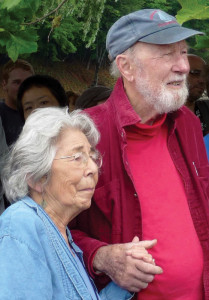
x=115 y=213
x=165 y=215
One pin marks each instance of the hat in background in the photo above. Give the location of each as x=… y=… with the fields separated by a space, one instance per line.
x=92 y=96
x=152 y=26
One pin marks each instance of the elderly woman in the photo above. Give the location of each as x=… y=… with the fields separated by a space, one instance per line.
x=51 y=174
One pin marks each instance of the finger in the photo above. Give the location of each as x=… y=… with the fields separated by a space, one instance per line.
x=146 y=244
x=148 y=268
x=134 y=250
x=138 y=286
x=149 y=260
x=138 y=281
x=141 y=255
x=138 y=254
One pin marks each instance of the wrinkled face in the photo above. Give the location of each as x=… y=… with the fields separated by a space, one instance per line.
x=37 y=97
x=16 y=77
x=196 y=79
x=160 y=75
x=72 y=184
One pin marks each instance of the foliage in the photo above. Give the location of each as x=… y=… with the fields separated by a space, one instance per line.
x=56 y=28
x=22 y=22
x=195 y=13
x=14 y=40
x=62 y=40
x=193 y=9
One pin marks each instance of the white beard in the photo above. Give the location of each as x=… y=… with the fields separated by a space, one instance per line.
x=161 y=98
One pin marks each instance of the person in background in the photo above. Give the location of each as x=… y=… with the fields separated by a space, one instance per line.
x=39 y=91
x=206 y=103
x=196 y=80
x=50 y=174
x=200 y=105
x=14 y=73
x=93 y=96
x=207 y=78
x=3 y=151
x=71 y=99
x=155 y=175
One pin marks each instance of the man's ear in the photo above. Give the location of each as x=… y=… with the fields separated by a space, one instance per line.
x=125 y=66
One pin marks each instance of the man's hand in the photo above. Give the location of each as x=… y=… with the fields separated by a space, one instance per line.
x=129 y=265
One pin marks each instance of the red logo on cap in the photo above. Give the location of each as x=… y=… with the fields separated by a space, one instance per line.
x=163 y=17
x=152 y=15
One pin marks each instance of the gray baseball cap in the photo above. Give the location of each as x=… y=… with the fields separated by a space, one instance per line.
x=152 y=26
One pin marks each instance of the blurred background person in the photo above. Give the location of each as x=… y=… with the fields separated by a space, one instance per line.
x=206 y=111
x=51 y=174
x=196 y=80
x=13 y=74
x=201 y=105
x=3 y=150
x=71 y=99
x=40 y=91
x=207 y=79
x=93 y=96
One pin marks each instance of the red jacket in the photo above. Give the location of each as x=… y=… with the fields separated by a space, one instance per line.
x=115 y=216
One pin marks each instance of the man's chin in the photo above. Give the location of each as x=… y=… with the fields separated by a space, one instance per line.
x=170 y=107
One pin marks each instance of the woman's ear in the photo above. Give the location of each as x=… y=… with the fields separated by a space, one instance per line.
x=37 y=186
x=124 y=64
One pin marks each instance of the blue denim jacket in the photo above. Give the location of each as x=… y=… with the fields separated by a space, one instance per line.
x=35 y=261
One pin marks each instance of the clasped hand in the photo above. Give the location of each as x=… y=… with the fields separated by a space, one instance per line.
x=129 y=265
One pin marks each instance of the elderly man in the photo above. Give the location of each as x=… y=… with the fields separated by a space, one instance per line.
x=154 y=179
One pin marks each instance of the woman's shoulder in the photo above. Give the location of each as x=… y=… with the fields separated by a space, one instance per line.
x=21 y=221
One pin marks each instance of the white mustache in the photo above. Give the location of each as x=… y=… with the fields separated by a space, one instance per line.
x=178 y=78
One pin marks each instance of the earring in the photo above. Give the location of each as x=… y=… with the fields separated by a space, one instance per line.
x=43 y=204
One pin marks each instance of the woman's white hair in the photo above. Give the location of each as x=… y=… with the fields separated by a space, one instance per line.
x=31 y=157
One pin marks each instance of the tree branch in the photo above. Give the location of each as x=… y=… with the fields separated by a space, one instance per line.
x=47 y=15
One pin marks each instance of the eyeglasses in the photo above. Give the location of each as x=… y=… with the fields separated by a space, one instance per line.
x=80 y=159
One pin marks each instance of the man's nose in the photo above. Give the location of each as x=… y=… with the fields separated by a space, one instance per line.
x=181 y=65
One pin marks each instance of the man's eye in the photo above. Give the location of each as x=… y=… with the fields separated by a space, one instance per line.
x=185 y=52
x=17 y=82
x=195 y=72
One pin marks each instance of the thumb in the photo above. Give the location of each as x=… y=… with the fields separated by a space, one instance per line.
x=135 y=239
x=148 y=244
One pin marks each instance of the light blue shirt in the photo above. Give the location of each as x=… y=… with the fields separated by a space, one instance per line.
x=3 y=150
x=206 y=140
x=35 y=260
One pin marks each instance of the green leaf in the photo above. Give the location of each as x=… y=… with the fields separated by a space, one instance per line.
x=4 y=38
x=202 y=42
x=9 y=3
x=193 y=9
x=12 y=5
x=21 y=43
